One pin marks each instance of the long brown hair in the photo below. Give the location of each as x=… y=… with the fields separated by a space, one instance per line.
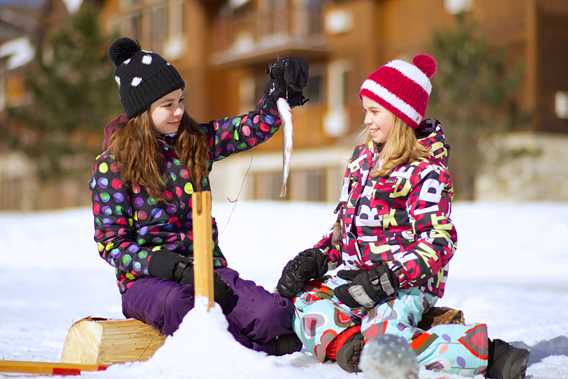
x=401 y=147
x=135 y=148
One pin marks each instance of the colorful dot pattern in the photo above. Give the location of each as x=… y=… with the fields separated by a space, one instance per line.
x=130 y=225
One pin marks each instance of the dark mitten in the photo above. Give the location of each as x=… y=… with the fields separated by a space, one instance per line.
x=224 y=295
x=176 y=267
x=309 y=264
x=167 y=265
x=367 y=288
x=287 y=78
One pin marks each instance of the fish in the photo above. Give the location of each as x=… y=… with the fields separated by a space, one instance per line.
x=287 y=144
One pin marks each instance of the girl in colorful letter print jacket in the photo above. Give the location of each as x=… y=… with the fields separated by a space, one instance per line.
x=393 y=241
x=142 y=186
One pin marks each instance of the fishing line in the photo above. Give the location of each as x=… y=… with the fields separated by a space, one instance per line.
x=236 y=200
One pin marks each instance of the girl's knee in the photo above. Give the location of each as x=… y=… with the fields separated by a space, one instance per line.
x=176 y=304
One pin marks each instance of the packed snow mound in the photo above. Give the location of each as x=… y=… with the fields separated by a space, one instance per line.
x=203 y=348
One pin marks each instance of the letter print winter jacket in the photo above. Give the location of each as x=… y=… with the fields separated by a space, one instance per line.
x=130 y=225
x=402 y=219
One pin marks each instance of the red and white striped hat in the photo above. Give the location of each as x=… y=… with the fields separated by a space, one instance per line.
x=403 y=88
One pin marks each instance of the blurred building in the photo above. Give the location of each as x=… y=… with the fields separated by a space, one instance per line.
x=23 y=27
x=223 y=47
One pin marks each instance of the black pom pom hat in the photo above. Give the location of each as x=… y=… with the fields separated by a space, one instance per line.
x=142 y=76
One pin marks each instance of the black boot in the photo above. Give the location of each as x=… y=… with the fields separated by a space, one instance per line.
x=349 y=355
x=286 y=344
x=506 y=361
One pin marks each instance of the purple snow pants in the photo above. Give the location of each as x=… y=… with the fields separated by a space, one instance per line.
x=256 y=320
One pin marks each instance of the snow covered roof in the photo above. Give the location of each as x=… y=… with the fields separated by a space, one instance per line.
x=19 y=51
x=72 y=5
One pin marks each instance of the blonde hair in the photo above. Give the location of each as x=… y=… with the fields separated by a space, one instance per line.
x=401 y=147
x=136 y=150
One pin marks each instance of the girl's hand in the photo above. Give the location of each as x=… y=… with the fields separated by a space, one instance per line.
x=367 y=288
x=309 y=264
x=287 y=79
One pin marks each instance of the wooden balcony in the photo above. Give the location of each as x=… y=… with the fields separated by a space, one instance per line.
x=257 y=37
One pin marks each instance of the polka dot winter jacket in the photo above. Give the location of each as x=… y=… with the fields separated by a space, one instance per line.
x=402 y=219
x=130 y=224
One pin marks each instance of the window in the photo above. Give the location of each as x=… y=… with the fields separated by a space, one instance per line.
x=273 y=17
x=174 y=45
x=308 y=185
x=561 y=104
x=134 y=25
x=260 y=79
x=315 y=15
x=246 y=94
x=314 y=89
x=124 y=4
x=158 y=27
x=177 y=16
x=2 y=89
x=267 y=185
x=339 y=93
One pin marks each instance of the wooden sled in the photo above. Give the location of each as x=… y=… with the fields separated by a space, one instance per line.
x=96 y=340
x=93 y=344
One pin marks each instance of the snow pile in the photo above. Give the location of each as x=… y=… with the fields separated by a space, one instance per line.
x=203 y=348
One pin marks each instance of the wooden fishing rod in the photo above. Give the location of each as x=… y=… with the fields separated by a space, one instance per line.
x=203 y=246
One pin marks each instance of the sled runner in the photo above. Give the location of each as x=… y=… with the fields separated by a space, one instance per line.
x=47 y=368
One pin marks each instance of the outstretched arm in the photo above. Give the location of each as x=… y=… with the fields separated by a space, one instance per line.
x=236 y=134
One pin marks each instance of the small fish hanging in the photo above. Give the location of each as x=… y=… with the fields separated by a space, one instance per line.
x=286 y=116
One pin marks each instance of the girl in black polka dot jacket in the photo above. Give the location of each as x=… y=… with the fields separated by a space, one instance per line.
x=155 y=157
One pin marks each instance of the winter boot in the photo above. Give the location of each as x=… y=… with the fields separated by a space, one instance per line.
x=286 y=344
x=506 y=361
x=346 y=349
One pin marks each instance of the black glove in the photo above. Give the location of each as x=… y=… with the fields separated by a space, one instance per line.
x=309 y=264
x=223 y=294
x=168 y=266
x=179 y=268
x=288 y=78
x=367 y=287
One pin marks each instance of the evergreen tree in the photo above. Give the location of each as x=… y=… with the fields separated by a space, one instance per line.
x=72 y=94
x=474 y=96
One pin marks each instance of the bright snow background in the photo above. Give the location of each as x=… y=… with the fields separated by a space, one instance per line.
x=510 y=271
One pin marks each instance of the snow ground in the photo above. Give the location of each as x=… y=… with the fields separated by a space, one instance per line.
x=509 y=271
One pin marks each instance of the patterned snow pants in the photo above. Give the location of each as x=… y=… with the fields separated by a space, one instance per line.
x=455 y=349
